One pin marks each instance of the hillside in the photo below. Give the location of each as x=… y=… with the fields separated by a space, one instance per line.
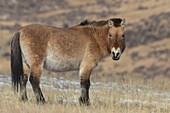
x=147 y=30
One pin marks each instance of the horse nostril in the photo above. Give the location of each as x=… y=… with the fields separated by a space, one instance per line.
x=117 y=54
x=113 y=53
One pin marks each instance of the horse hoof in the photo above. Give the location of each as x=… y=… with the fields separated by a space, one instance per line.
x=84 y=101
x=41 y=102
x=23 y=99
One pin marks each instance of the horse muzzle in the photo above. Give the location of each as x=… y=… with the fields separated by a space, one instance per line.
x=116 y=54
x=115 y=57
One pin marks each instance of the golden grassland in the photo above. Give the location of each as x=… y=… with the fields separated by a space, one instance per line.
x=127 y=95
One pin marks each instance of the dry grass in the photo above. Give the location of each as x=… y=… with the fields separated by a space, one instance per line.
x=132 y=95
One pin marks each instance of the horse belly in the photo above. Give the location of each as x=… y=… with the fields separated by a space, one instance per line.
x=60 y=65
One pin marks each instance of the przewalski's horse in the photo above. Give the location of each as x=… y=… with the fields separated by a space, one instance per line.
x=79 y=47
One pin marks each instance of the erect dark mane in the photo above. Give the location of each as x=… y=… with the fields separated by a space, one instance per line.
x=116 y=21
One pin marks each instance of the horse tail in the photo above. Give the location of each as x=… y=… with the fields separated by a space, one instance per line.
x=16 y=62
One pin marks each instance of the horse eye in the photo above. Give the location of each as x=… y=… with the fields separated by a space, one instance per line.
x=110 y=35
x=123 y=36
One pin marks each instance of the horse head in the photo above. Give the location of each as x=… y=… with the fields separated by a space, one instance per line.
x=116 y=37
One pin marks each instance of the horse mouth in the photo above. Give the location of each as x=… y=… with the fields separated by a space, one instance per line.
x=115 y=58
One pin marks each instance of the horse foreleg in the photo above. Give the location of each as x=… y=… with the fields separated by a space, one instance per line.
x=84 y=98
x=85 y=85
x=35 y=82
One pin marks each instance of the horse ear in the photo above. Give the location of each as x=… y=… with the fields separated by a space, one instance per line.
x=123 y=22
x=110 y=23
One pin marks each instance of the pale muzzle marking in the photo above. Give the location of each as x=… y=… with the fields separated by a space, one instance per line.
x=115 y=53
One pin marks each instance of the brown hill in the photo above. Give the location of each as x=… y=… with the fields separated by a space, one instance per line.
x=154 y=28
x=147 y=30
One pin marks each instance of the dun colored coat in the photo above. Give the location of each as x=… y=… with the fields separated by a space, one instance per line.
x=80 y=47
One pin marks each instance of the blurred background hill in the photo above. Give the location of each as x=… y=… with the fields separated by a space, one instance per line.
x=147 y=30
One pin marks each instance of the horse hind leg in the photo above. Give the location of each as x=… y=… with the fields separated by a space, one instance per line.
x=24 y=79
x=35 y=82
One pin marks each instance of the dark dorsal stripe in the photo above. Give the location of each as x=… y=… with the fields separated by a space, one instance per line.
x=116 y=21
x=86 y=22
